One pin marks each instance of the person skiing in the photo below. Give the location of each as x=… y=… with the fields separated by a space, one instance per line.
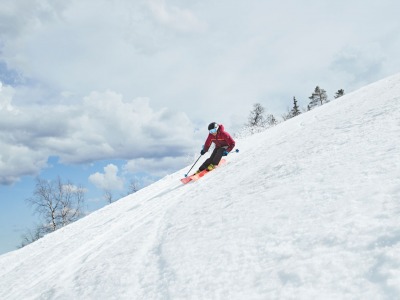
x=223 y=141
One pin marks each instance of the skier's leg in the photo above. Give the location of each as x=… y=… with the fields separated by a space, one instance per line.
x=209 y=160
x=217 y=156
x=205 y=164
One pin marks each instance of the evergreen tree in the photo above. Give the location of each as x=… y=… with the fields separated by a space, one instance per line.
x=339 y=93
x=318 y=98
x=295 y=110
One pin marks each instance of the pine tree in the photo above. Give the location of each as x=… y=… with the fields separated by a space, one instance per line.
x=339 y=93
x=295 y=110
x=318 y=98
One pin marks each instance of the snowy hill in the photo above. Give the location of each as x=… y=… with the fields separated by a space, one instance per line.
x=307 y=210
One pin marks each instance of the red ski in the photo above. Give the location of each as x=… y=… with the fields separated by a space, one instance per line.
x=197 y=176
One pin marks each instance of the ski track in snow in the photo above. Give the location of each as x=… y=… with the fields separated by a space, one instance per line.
x=307 y=210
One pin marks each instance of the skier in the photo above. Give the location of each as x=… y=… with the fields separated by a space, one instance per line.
x=224 y=143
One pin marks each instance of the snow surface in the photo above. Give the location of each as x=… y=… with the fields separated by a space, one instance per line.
x=309 y=209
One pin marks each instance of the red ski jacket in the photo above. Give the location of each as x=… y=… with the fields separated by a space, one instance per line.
x=221 y=139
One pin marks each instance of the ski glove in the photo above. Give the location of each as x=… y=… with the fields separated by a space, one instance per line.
x=225 y=153
x=202 y=152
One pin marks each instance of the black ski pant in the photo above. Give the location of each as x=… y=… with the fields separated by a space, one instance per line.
x=214 y=159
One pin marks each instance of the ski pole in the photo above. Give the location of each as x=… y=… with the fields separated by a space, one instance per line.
x=192 y=166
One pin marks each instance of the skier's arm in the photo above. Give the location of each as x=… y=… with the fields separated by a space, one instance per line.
x=230 y=141
x=207 y=144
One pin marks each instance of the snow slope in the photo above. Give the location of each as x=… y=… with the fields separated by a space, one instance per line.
x=307 y=210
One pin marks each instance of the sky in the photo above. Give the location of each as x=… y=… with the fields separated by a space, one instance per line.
x=105 y=92
x=315 y=217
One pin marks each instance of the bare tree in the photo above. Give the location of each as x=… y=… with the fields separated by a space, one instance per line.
x=31 y=235
x=108 y=196
x=257 y=117
x=257 y=122
x=56 y=203
x=133 y=186
x=71 y=201
x=271 y=121
x=288 y=115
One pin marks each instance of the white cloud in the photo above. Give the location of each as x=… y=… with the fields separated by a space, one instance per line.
x=6 y=95
x=20 y=16
x=109 y=180
x=104 y=126
x=73 y=188
x=360 y=63
x=175 y=17
x=198 y=54
x=17 y=161
x=198 y=61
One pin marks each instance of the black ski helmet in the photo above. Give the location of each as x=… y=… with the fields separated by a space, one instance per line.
x=212 y=126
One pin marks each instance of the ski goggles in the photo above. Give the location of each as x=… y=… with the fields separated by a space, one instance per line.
x=214 y=130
